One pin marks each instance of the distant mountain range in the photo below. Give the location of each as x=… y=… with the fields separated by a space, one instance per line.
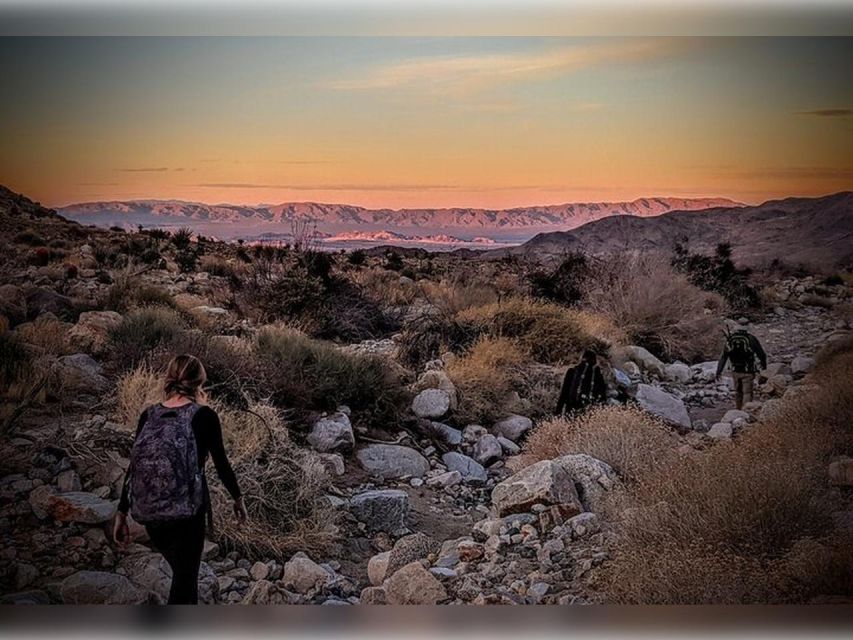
x=816 y=231
x=517 y=224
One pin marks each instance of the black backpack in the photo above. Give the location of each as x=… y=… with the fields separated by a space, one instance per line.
x=741 y=354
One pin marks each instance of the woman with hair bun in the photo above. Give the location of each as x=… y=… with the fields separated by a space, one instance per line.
x=165 y=487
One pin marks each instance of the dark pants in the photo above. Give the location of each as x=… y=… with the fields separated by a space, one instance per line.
x=181 y=542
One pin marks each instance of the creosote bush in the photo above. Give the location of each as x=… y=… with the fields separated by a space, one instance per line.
x=304 y=373
x=141 y=331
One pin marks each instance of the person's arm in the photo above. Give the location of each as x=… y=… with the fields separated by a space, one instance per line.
x=124 y=501
x=564 y=392
x=210 y=432
x=759 y=351
x=723 y=359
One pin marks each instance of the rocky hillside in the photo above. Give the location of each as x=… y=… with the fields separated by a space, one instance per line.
x=815 y=231
x=398 y=447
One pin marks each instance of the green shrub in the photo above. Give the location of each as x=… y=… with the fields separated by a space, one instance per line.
x=142 y=331
x=304 y=373
x=718 y=274
x=153 y=296
x=182 y=238
x=566 y=283
x=30 y=238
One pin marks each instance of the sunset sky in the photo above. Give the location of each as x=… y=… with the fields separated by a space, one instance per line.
x=423 y=122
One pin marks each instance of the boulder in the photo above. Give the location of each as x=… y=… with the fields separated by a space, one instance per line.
x=509 y=447
x=593 y=476
x=373 y=595
x=415 y=546
x=678 y=372
x=841 y=472
x=332 y=433
x=473 y=432
x=377 y=568
x=801 y=365
x=382 y=510
x=266 y=592
x=733 y=415
x=664 y=405
x=151 y=572
x=704 y=371
x=333 y=462
x=91 y=334
x=720 y=431
x=302 y=574
x=392 y=461
x=777 y=384
x=100 y=587
x=470 y=469
x=438 y=379
x=488 y=450
x=446 y=479
x=512 y=427
x=431 y=404
x=73 y=506
x=413 y=584
x=43 y=300
x=81 y=373
x=542 y=483
x=644 y=359
x=442 y=432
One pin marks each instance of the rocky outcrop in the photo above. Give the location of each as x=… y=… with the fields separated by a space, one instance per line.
x=544 y=483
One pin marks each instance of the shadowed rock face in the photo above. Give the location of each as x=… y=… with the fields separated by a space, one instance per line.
x=808 y=230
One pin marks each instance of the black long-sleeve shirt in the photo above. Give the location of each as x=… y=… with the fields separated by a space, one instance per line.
x=748 y=367
x=584 y=384
x=208 y=437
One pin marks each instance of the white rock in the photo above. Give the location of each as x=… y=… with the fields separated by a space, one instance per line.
x=487 y=450
x=332 y=433
x=392 y=461
x=663 y=404
x=802 y=364
x=302 y=574
x=470 y=469
x=431 y=403
x=541 y=483
x=733 y=415
x=512 y=427
x=720 y=431
x=678 y=372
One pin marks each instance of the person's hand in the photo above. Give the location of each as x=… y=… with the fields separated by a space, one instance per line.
x=240 y=511
x=121 y=532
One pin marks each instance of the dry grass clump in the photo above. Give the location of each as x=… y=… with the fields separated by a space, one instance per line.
x=135 y=391
x=549 y=332
x=455 y=294
x=283 y=485
x=47 y=334
x=484 y=377
x=217 y=266
x=657 y=307
x=628 y=439
x=729 y=526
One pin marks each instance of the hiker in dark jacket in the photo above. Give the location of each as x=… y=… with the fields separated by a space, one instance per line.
x=165 y=487
x=744 y=352
x=583 y=385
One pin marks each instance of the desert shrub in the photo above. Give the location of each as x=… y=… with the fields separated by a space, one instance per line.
x=287 y=294
x=141 y=331
x=156 y=233
x=304 y=373
x=182 y=238
x=565 y=284
x=658 y=308
x=729 y=526
x=30 y=238
x=628 y=439
x=427 y=335
x=357 y=257
x=284 y=488
x=457 y=293
x=152 y=296
x=48 y=335
x=217 y=266
x=187 y=260
x=484 y=377
x=549 y=332
x=385 y=287
x=15 y=359
x=718 y=274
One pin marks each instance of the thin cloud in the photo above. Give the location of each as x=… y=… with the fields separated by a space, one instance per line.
x=448 y=73
x=145 y=170
x=785 y=173
x=827 y=113
x=328 y=187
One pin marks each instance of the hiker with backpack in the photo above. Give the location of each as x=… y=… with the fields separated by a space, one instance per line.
x=165 y=487
x=742 y=350
x=583 y=385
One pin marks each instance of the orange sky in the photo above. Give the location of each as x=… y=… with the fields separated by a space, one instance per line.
x=425 y=122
